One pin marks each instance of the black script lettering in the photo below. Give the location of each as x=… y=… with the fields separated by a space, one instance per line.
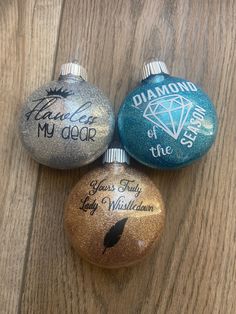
x=120 y=204
x=44 y=110
x=88 y=205
x=126 y=185
x=83 y=119
x=100 y=186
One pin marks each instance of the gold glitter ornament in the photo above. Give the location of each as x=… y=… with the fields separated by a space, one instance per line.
x=115 y=214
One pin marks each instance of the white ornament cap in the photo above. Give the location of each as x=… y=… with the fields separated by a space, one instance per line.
x=116 y=155
x=152 y=67
x=74 y=68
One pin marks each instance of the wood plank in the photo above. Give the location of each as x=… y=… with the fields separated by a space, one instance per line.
x=28 y=35
x=193 y=270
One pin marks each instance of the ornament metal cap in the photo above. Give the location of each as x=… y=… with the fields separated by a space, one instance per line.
x=74 y=68
x=116 y=155
x=152 y=67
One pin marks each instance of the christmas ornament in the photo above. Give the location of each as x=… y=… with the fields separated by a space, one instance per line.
x=115 y=214
x=67 y=123
x=166 y=122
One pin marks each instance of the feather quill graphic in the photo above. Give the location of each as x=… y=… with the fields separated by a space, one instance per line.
x=113 y=236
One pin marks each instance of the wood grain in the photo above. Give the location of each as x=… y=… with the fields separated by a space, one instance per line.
x=28 y=41
x=194 y=268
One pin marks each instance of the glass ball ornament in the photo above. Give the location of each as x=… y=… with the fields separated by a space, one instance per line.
x=68 y=122
x=166 y=122
x=115 y=214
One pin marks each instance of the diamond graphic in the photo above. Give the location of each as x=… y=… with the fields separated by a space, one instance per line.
x=168 y=113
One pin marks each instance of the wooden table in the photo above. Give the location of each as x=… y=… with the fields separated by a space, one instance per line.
x=194 y=269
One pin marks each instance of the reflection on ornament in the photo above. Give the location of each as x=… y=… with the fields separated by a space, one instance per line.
x=160 y=113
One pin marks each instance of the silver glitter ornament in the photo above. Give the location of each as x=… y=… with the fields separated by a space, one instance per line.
x=67 y=123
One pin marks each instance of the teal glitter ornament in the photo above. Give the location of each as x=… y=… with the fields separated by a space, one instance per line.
x=166 y=122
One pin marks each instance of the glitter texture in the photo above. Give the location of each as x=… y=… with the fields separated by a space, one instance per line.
x=114 y=234
x=167 y=122
x=67 y=123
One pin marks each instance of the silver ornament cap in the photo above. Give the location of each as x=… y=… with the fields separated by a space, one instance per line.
x=74 y=68
x=116 y=155
x=152 y=67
